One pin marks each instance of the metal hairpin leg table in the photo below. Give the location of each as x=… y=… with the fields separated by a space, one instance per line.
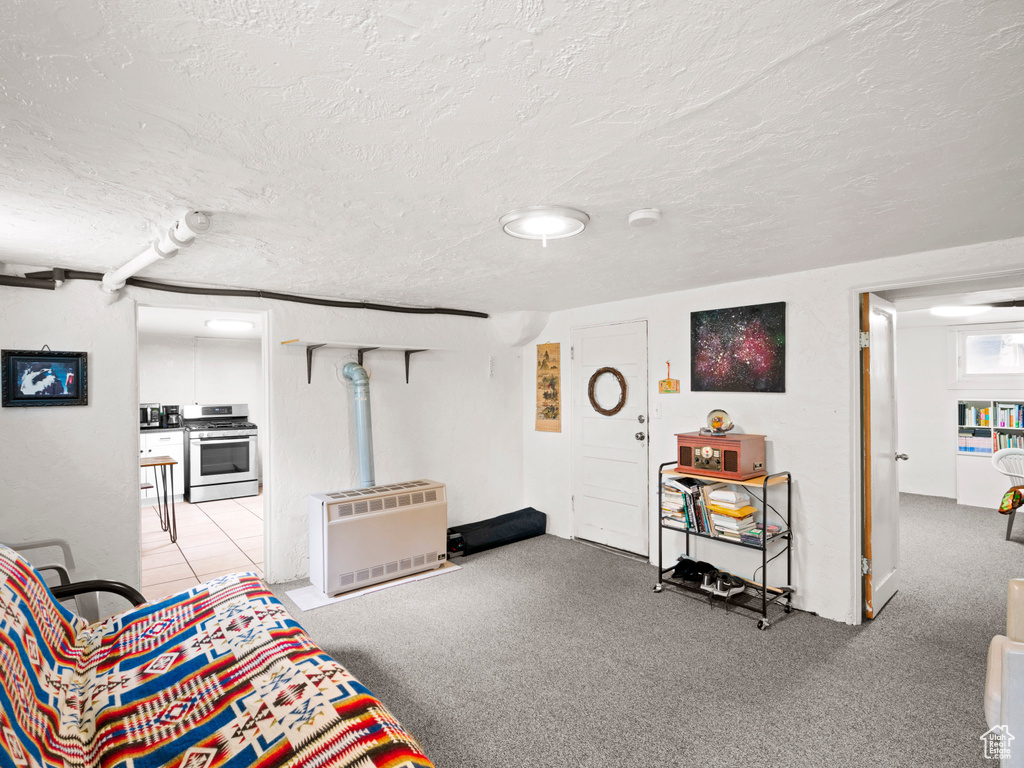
x=164 y=507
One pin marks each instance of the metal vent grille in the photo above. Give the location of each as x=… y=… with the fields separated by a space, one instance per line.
x=431 y=557
x=430 y=495
x=362 y=507
x=363 y=575
x=391 y=567
x=342 y=510
x=376 y=505
x=403 y=500
x=377 y=571
x=417 y=498
x=417 y=561
x=390 y=502
x=404 y=564
x=346 y=579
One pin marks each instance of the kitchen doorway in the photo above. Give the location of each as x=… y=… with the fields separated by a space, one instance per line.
x=203 y=406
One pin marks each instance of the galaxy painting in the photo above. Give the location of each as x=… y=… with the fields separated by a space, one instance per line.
x=739 y=349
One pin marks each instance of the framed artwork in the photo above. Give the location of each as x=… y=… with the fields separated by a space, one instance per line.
x=549 y=388
x=29 y=378
x=739 y=349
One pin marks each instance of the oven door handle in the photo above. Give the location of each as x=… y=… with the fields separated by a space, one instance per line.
x=220 y=440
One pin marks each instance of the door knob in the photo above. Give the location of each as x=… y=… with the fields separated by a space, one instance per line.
x=640 y=435
x=640 y=418
x=902 y=457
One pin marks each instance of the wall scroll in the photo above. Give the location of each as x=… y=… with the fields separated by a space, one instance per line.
x=549 y=388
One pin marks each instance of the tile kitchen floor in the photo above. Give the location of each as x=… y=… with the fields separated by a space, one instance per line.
x=214 y=538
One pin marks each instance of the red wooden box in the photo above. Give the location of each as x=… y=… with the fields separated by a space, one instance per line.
x=735 y=457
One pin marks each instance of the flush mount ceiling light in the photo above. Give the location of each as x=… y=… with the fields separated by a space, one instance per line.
x=544 y=222
x=960 y=311
x=229 y=325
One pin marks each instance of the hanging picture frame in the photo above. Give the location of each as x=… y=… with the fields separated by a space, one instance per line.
x=549 y=388
x=33 y=378
x=739 y=349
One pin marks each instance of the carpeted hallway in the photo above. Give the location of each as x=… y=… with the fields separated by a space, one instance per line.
x=553 y=652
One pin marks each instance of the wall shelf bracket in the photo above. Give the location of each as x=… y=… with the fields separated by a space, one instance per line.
x=409 y=353
x=309 y=361
x=360 y=350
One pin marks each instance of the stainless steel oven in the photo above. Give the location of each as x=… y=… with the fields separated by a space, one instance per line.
x=220 y=458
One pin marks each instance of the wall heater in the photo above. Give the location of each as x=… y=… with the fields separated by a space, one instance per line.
x=368 y=535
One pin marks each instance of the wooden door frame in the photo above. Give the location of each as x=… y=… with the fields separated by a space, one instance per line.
x=866 y=608
x=574 y=448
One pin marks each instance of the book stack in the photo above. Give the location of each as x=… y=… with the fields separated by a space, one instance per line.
x=731 y=512
x=974 y=440
x=756 y=534
x=684 y=503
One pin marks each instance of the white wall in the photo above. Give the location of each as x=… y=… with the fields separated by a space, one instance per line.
x=72 y=472
x=812 y=430
x=79 y=475
x=187 y=369
x=927 y=411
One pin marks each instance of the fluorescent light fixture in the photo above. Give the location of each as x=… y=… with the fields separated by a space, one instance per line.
x=960 y=311
x=230 y=325
x=544 y=222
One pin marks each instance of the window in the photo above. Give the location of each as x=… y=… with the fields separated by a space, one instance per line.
x=987 y=356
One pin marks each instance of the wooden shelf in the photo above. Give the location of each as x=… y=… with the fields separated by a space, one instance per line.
x=753 y=482
x=360 y=347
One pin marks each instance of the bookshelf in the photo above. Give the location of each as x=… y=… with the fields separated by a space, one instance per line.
x=983 y=427
x=695 y=518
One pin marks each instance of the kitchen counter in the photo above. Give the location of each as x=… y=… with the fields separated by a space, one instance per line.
x=149 y=430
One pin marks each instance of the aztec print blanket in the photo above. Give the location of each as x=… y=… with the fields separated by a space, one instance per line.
x=219 y=676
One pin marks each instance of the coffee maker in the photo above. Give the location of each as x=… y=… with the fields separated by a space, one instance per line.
x=172 y=416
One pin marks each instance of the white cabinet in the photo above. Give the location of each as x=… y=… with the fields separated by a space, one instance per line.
x=162 y=443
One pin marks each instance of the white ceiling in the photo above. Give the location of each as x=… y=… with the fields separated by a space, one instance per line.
x=365 y=150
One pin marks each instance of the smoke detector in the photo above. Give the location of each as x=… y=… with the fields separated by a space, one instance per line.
x=645 y=217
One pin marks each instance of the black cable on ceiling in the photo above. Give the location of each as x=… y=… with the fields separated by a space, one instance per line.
x=48 y=280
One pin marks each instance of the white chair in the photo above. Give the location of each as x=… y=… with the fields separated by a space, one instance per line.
x=1010 y=462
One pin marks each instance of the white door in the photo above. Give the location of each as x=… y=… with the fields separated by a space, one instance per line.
x=881 y=494
x=610 y=451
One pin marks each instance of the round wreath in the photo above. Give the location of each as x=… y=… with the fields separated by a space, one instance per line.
x=622 y=391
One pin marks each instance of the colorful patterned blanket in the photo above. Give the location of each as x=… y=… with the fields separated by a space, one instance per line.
x=216 y=676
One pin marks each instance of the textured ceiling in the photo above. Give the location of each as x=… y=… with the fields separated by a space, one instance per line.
x=365 y=150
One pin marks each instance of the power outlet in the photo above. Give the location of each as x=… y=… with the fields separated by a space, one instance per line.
x=490 y=366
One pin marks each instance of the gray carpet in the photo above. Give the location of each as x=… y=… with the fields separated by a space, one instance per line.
x=555 y=653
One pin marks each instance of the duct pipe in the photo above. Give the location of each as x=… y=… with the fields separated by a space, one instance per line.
x=181 y=234
x=355 y=373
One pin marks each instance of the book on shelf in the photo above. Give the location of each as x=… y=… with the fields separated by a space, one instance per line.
x=1009 y=415
x=755 y=535
x=731 y=524
x=738 y=514
x=974 y=440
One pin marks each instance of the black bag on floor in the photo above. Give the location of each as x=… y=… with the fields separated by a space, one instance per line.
x=503 y=529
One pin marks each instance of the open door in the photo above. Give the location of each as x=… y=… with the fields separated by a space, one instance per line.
x=880 y=481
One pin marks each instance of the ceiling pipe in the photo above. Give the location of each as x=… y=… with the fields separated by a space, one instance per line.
x=360 y=379
x=182 y=233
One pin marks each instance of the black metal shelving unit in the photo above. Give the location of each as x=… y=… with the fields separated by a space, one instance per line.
x=780 y=594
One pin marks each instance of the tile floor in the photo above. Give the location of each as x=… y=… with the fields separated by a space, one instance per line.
x=214 y=538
